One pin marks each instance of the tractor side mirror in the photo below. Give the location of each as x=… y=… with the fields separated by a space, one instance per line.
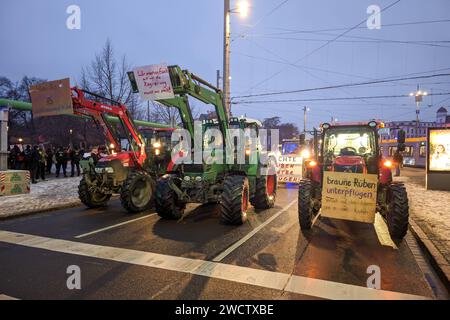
x=302 y=139
x=401 y=136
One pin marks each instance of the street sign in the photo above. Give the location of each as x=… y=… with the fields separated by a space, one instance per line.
x=154 y=82
x=349 y=196
x=51 y=98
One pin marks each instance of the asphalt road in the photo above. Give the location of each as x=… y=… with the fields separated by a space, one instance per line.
x=124 y=256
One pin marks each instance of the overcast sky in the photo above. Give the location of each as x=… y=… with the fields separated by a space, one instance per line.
x=268 y=51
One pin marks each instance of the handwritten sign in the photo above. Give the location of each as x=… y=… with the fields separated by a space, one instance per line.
x=52 y=98
x=289 y=169
x=349 y=196
x=154 y=82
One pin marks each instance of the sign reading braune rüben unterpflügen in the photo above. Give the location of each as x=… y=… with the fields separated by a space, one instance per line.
x=349 y=196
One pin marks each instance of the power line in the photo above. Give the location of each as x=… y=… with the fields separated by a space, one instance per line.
x=334 y=99
x=323 y=46
x=343 y=85
x=291 y=31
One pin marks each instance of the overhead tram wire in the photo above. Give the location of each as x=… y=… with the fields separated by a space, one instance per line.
x=343 y=85
x=333 y=99
x=323 y=46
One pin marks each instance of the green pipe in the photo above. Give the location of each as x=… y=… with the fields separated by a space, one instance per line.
x=26 y=106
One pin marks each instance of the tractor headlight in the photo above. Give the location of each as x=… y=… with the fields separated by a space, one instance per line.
x=305 y=154
x=198 y=178
x=187 y=178
x=104 y=170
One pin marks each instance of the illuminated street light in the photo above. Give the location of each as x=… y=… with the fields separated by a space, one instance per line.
x=418 y=96
x=242 y=9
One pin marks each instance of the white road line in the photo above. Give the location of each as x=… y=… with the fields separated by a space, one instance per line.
x=256 y=277
x=237 y=244
x=113 y=226
x=5 y=297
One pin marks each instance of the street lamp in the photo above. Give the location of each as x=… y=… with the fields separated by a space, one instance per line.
x=419 y=94
x=242 y=9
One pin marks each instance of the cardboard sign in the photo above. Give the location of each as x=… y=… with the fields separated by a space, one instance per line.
x=349 y=196
x=290 y=168
x=51 y=98
x=154 y=82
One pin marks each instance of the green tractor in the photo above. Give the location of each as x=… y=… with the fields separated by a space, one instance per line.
x=234 y=184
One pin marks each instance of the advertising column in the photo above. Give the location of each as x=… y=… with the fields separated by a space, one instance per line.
x=438 y=159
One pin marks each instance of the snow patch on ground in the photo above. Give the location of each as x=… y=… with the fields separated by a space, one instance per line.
x=45 y=195
x=430 y=209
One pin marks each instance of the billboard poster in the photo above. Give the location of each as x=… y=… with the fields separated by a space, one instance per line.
x=439 y=150
x=51 y=98
x=153 y=82
x=349 y=196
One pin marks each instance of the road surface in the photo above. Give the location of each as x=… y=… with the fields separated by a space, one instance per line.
x=123 y=256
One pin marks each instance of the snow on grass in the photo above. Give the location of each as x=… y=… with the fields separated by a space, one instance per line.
x=46 y=195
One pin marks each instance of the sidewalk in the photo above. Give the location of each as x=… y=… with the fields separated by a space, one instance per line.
x=429 y=217
x=56 y=193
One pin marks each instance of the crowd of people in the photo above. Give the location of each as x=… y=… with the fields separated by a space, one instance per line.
x=40 y=160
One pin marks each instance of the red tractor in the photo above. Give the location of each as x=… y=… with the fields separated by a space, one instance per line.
x=353 y=148
x=128 y=168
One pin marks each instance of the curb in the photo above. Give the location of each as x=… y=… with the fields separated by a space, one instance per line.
x=437 y=260
x=45 y=210
x=37 y=211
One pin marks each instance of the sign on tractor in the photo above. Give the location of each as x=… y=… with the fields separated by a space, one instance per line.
x=153 y=82
x=51 y=98
x=349 y=196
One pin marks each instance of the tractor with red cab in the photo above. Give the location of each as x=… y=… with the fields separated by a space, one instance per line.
x=353 y=148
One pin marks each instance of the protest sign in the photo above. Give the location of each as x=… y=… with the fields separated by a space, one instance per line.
x=349 y=196
x=154 y=82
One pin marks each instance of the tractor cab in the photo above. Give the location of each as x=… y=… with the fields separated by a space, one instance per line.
x=351 y=148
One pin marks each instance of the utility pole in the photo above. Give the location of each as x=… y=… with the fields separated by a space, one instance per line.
x=418 y=98
x=226 y=57
x=4 y=112
x=305 y=110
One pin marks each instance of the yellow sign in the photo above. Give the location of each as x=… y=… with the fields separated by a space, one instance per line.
x=349 y=196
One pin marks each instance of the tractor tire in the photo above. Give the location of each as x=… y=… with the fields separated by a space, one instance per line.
x=397 y=214
x=89 y=199
x=166 y=201
x=136 y=194
x=305 y=210
x=265 y=192
x=235 y=200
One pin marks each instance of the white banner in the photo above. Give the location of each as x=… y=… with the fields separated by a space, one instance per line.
x=154 y=82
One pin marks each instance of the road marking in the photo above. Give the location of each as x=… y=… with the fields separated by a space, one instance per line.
x=237 y=244
x=5 y=297
x=244 y=275
x=382 y=232
x=113 y=226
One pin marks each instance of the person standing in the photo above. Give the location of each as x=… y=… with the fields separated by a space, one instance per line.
x=34 y=164
x=49 y=159
x=61 y=161
x=398 y=161
x=75 y=157
x=42 y=163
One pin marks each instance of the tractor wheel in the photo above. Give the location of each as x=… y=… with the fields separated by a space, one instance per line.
x=235 y=200
x=166 y=201
x=265 y=192
x=136 y=194
x=91 y=199
x=397 y=211
x=305 y=209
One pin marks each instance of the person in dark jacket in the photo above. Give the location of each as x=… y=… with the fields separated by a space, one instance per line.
x=34 y=164
x=398 y=162
x=75 y=157
x=49 y=159
x=61 y=161
x=27 y=158
x=42 y=163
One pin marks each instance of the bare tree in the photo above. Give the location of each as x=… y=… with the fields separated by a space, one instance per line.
x=107 y=77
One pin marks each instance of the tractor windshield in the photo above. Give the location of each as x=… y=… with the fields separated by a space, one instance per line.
x=349 y=141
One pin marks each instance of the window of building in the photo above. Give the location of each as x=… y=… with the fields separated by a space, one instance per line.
x=422 y=151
